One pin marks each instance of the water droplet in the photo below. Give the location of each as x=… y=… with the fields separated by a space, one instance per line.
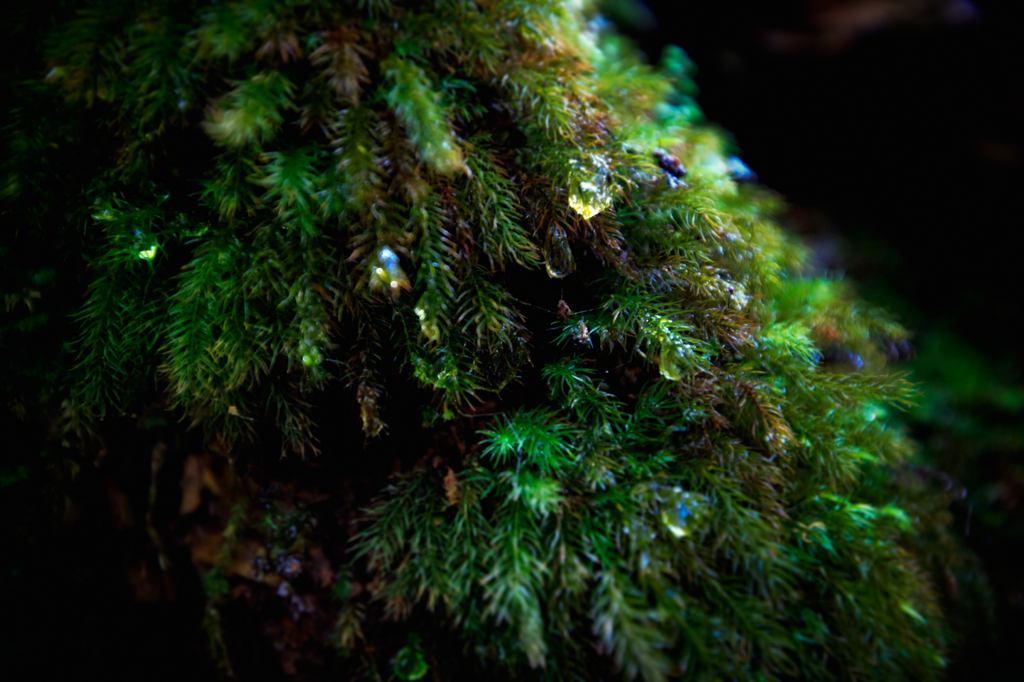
x=558 y=258
x=739 y=170
x=674 y=360
x=678 y=530
x=428 y=326
x=386 y=273
x=590 y=189
x=679 y=518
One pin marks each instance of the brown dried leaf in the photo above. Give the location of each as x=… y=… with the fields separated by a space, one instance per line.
x=192 y=484
x=204 y=545
x=451 y=487
x=321 y=571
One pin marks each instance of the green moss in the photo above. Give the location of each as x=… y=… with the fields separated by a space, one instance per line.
x=638 y=460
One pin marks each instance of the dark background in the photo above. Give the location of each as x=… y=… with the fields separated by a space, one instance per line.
x=892 y=125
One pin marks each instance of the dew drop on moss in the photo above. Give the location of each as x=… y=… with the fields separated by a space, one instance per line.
x=589 y=188
x=558 y=259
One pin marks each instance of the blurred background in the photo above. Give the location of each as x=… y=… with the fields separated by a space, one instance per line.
x=893 y=129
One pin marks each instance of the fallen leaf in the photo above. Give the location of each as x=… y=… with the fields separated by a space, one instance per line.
x=191 y=484
x=322 y=572
x=204 y=545
x=451 y=487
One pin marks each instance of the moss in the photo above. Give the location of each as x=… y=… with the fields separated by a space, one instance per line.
x=653 y=456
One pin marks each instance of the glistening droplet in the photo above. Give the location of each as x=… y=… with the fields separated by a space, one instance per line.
x=674 y=360
x=590 y=186
x=557 y=255
x=386 y=273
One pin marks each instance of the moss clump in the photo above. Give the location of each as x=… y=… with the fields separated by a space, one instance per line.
x=632 y=432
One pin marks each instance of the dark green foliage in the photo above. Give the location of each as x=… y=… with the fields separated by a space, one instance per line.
x=404 y=203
